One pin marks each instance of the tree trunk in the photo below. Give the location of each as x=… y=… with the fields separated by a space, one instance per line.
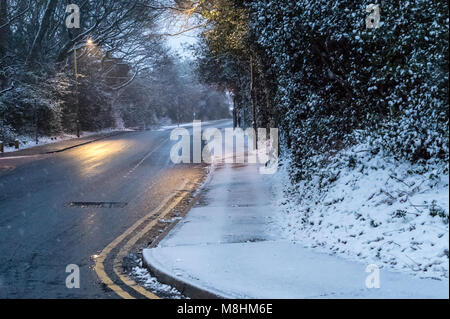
x=253 y=99
x=4 y=32
x=43 y=27
x=234 y=112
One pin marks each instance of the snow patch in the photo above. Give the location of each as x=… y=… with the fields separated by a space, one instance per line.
x=152 y=284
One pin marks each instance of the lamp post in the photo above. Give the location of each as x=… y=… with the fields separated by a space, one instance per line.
x=89 y=42
x=77 y=102
x=36 y=123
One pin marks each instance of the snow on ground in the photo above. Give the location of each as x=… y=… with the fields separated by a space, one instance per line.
x=182 y=125
x=279 y=269
x=151 y=283
x=373 y=209
x=28 y=141
x=230 y=244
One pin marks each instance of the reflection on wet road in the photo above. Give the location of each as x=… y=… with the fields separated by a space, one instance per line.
x=41 y=233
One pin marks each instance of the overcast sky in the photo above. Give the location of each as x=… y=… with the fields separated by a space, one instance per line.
x=176 y=43
x=174 y=24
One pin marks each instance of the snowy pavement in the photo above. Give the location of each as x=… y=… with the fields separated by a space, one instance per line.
x=229 y=244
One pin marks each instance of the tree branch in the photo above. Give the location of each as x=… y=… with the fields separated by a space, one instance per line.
x=130 y=80
x=8 y=89
x=16 y=17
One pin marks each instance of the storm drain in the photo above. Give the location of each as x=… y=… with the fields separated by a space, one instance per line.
x=97 y=204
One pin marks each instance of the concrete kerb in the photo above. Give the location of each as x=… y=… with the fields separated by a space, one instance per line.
x=37 y=150
x=185 y=288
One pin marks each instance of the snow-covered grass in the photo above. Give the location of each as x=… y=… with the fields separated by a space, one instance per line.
x=373 y=208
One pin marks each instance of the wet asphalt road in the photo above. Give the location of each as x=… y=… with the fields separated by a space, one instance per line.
x=40 y=234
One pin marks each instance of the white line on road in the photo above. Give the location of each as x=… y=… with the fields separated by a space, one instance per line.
x=144 y=158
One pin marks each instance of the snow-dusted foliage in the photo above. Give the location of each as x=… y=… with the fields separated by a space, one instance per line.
x=6 y=131
x=335 y=75
x=46 y=101
x=37 y=101
x=364 y=123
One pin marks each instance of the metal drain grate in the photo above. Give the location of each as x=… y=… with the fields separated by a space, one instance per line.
x=97 y=204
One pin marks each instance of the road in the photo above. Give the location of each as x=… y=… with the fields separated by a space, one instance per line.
x=55 y=209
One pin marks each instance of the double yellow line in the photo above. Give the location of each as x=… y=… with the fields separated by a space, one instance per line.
x=159 y=212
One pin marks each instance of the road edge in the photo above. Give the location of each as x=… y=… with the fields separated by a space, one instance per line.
x=31 y=151
x=185 y=288
x=147 y=222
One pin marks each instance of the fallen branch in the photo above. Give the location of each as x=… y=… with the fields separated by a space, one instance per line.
x=387 y=193
x=8 y=89
x=400 y=180
x=415 y=207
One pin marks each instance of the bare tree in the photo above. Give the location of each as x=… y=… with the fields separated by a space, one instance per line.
x=44 y=26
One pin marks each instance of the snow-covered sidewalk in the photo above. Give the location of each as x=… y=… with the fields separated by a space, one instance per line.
x=228 y=244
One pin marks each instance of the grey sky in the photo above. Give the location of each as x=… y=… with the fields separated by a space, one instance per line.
x=173 y=23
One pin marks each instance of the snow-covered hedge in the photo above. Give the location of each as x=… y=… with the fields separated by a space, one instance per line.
x=364 y=119
x=335 y=76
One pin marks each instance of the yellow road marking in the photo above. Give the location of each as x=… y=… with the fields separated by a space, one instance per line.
x=99 y=261
x=127 y=247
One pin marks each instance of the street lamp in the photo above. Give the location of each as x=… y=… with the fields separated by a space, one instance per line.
x=76 y=89
x=89 y=42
